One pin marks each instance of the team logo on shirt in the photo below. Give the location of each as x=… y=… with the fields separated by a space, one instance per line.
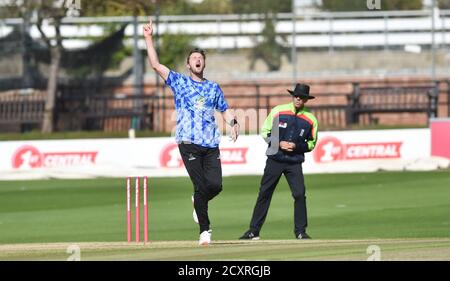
x=282 y=125
x=200 y=102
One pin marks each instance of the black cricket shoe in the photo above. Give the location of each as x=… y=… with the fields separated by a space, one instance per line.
x=249 y=235
x=303 y=236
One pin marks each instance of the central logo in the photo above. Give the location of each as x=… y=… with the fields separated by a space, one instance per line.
x=330 y=149
x=29 y=157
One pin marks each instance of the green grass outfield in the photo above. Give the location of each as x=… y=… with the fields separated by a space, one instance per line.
x=405 y=213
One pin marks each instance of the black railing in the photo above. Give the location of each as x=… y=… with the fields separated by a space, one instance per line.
x=370 y=100
x=117 y=113
x=27 y=109
x=76 y=110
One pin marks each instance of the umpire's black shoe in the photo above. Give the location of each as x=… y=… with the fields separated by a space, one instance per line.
x=249 y=235
x=303 y=236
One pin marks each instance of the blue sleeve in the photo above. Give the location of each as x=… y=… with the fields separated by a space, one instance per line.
x=170 y=78
x=175 y=82
x=221 y=103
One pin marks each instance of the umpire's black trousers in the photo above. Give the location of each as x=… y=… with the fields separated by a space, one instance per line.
x=204 y=168
x=294 y=177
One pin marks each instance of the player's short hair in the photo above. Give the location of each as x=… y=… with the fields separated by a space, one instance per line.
x=196 y=50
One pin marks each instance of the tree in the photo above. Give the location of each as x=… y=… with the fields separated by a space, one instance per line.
x=119 y=7
x=53 y=12
x=344 y=5
x=213 y=7
x=269 y=50
x=444 y=4
x=402 y=5
x=136 y=7
x=261 y=6
x=175 y=48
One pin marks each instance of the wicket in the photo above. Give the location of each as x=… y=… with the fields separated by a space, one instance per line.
x=137 y=209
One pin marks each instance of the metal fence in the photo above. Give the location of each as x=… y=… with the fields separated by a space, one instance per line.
x=21 y=112
x=361 y=105
x=116 y=113
x=370 y=100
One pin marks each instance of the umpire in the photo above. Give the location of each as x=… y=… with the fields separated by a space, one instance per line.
x=290 y=130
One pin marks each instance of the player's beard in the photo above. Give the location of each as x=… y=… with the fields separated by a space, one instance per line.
x=198 y=73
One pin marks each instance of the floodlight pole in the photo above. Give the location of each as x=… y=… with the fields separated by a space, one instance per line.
x=137 y=73
x=294 y=45
x=433 y=40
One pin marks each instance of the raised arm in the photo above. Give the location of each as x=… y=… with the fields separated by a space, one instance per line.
x=161 y=69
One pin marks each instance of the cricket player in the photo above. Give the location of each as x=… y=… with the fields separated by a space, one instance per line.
x=291 y=131
x=196 y=100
